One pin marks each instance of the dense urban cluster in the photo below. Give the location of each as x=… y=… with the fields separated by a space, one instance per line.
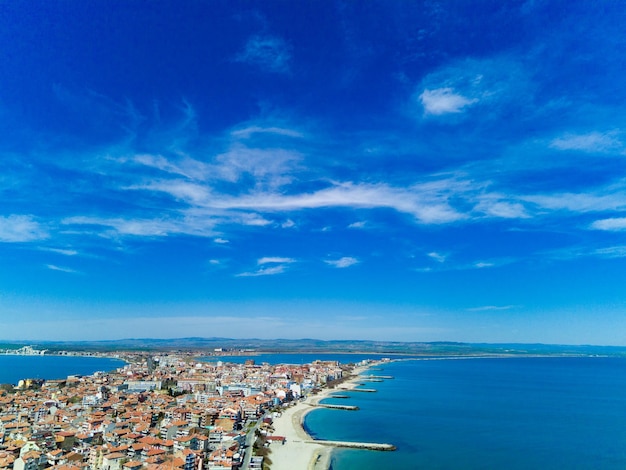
x=156 y=413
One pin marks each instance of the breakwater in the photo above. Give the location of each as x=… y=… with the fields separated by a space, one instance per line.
x=354 y=445
x=367 y=390
x=335 y=407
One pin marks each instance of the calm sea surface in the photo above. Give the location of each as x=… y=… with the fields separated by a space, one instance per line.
x=15 y=368
x=522 y=413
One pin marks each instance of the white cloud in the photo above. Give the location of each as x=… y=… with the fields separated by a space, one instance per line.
x=288 y=224
x=270 y=167
x=221 y=241
x=61 y=251
x=275 y=259
x=611 y=252
x=490 y=308
x=20 y=228
x=444 y=101
x=437 y=256
x=591 y=142
x=495 y=205
x=483 y=264
x=428 y=202
x=147 y=227
x=247 y=132
x=344 y=262
x=190 y=192
x=610 y=198
x=616 y=224
x=360 y=224
x=269 y=53
x=185 y=166
x=61 y=269
x=574 y=252
x=269 y=271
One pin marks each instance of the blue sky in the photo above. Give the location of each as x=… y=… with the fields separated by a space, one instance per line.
x=413 y=171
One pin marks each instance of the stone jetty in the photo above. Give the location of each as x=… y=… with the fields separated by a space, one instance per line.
x=354 y=445
x=368 y=390
x=335 y=407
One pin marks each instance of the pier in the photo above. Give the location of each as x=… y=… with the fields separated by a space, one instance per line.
x=354 y=445
x=339 y=396
x=368 y=390
x=371 y=380
x=335 y=407
x=375 y=377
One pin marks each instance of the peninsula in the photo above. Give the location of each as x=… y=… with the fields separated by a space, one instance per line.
x=172 y=411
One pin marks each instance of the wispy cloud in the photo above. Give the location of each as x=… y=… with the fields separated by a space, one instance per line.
x=360 y=224
x=444 y=265
x=428 y=203
x=54 y=267
x=608 y=198
x=495 y=83
x=61 y=251
x=611 y=252
x=275 y=259
x=444 y=101
x=269 y=53
x=268 y=271
x=344 y=262
x=591 y=142
x=146 y=227
x=497 y=205
x=21 y=228
x=616 y=224
x=437 y=256
x=490 y=308
x=247 y=132
x=270 y=265
x=484 y=264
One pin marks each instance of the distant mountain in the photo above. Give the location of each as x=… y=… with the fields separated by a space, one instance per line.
x=314 y=345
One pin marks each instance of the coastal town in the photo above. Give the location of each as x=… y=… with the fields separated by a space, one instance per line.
x=161 y=412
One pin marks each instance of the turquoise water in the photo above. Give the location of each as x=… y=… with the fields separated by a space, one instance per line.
x=15 y=368
x=522 y=413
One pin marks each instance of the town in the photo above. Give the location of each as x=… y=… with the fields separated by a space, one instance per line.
x=158 y=412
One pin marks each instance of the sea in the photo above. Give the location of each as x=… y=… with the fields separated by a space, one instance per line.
x=513 y=413
x=478 y=413
x=14 y=368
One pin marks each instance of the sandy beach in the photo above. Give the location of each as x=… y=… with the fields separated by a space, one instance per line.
x=298 y=452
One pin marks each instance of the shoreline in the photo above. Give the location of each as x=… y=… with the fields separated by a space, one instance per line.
x=300 y=450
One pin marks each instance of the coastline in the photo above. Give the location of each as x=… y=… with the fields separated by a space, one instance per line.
x=300 y=450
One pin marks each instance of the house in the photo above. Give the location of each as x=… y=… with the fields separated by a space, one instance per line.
x=113 y=461
x=133 y=465
x=31 y=460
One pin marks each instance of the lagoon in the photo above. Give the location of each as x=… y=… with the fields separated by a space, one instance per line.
x=15 y=368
